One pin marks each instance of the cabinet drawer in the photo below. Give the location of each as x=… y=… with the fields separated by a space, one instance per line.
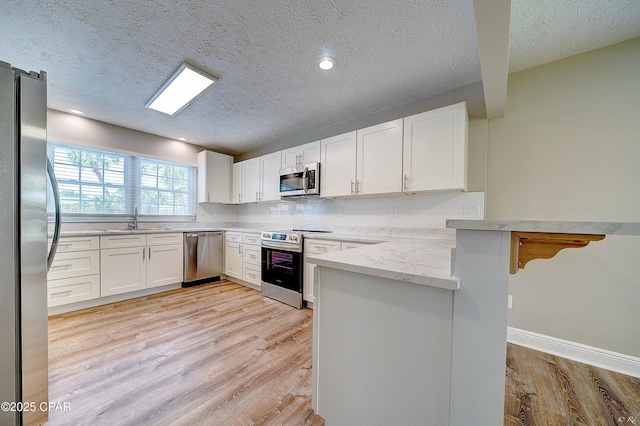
x=251 y=239
x=164 y=239
x=67 y=244
x=251 y=274
x=347 y=246
x=234 y=237
x=74 y=264
x=252 y=254
x=71 y=290
x=321 y=246
x=117 y=241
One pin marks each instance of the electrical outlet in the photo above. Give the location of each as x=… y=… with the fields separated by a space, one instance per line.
x=469 y=211
x=510 y=302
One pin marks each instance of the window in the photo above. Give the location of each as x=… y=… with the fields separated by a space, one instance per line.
x=95 y=183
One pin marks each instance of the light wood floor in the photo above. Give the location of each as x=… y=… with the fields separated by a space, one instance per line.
x=216 y=354
x=221 y=354
x=546 y=390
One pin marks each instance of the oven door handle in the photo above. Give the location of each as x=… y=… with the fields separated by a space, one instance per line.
x=294 y=248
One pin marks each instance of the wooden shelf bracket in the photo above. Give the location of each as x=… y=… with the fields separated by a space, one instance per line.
x=526 y=246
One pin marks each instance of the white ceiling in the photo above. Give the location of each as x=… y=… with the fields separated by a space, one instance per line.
x=107 y=58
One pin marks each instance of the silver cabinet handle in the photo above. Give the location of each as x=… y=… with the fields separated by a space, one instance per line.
x=357 y=186
x=149 y=253
x=239 y=252
x=207 y=196
x=239 y=198
x=352 y=187
x=144 y=253
x=406 y=182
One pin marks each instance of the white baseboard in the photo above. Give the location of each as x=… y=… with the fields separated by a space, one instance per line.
x=597 y=357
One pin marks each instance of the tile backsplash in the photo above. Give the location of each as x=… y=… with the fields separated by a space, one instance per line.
x=404 y=211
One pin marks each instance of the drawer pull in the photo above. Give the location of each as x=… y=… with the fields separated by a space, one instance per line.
x=66 y=265
x=61 y=292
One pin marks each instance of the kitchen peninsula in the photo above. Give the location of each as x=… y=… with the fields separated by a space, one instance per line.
x=417 y=331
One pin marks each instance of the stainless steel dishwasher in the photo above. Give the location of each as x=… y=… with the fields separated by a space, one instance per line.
x=202 y=257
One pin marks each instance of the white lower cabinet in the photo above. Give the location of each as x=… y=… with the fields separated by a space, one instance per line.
x=75 y=271
x=135 y=262
x=233 y=259
x=312 y=247
x=242 y=257
x=123 y=270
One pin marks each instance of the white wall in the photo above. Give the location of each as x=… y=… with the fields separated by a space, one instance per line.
x=81 y=131
x=569 y=149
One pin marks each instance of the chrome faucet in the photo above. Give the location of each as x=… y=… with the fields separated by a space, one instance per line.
x=134 y=224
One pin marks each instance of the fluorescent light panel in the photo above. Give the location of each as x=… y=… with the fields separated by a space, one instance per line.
x=186 y=84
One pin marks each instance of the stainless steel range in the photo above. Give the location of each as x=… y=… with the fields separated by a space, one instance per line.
x=282 y=265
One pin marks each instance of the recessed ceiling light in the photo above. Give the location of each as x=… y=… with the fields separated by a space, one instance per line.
x=327 y=63
x=75 y=111
x=186 y=84
x=182 y=139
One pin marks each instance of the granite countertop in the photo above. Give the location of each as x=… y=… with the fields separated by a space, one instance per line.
x=425 y=261
x=607 y=228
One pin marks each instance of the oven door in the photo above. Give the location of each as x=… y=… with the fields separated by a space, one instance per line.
x=282 y=267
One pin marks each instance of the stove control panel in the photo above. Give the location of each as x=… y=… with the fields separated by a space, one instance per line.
x=281 y=236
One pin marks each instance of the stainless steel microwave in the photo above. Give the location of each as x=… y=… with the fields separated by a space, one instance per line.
x=300 y=180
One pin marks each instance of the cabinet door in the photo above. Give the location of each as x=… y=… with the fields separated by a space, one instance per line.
x=237 y=183
x=435 y=150
x=165 y=265
x=233 y=260
x=214 y=177
x=251 y=180
x=308 y=282
x=123 y=270
x=309 y=152
x=290 y=157
x=338 y=165
x=270 y=176
x=379 y=158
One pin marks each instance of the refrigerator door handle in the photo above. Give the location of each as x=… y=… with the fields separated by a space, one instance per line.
x=56 y=202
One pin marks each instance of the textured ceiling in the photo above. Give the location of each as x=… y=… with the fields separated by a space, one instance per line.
x=107 y=58
x=544 y=31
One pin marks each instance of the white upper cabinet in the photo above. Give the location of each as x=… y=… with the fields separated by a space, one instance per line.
x=435 y=150
x=379 y=159
x=338 y=165
x=237 y=183
x=270 y=165
x=303 y=154
x=214 y=177
x=251 y=180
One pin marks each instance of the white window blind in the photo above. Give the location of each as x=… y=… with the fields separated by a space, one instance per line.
x=94 y=183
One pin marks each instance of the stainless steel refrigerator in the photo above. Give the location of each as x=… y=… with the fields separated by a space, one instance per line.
x=23 y=247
